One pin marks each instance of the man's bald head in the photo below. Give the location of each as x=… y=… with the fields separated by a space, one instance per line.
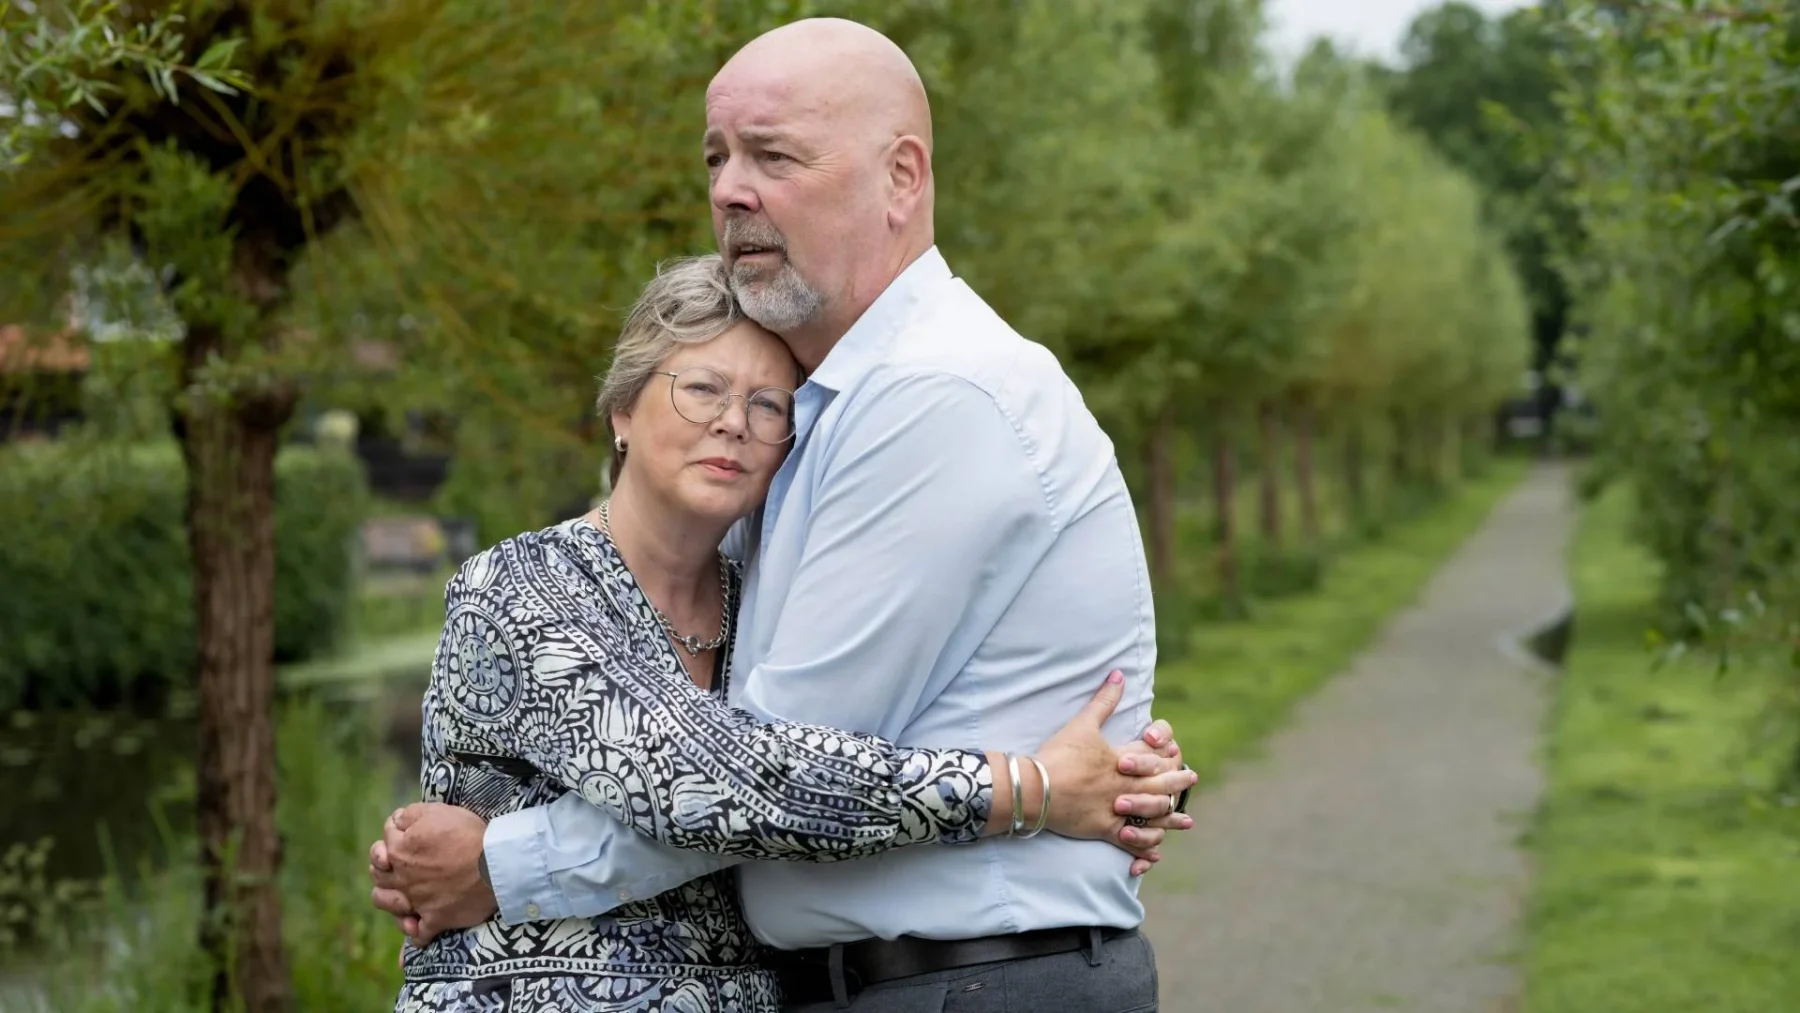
x=846 y=68
x=819 y=144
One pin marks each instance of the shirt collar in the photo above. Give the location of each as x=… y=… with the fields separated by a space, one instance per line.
x=866 y=342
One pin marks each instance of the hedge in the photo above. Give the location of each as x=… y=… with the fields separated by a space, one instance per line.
x=96 y=590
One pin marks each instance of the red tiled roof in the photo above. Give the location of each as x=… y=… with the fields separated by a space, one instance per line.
x=55 y=353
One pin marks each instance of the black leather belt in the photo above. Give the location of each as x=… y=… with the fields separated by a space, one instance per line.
x=829 y=971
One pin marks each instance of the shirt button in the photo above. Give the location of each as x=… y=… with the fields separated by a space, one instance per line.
x=624 y=894
x=532 y=912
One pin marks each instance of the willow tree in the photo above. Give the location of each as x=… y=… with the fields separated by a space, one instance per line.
x=506 y=174
x=1681 y=164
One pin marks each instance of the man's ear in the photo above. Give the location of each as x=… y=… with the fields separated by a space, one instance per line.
x=909 y=179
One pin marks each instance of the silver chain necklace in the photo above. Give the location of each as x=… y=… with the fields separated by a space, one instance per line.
x=692 y=644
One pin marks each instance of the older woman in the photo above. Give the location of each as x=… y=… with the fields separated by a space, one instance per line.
x=594 y=656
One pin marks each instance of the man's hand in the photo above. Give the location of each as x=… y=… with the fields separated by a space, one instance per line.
x=425 y=870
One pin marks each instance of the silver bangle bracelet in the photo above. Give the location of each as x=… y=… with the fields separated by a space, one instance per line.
x=1018 y=796
x=1043 y=813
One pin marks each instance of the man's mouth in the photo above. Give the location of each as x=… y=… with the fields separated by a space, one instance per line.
x=753 y=250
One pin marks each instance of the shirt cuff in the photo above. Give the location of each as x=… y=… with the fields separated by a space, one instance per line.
x=519 y=867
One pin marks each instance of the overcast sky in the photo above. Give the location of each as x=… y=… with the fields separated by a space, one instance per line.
x=1371 y=27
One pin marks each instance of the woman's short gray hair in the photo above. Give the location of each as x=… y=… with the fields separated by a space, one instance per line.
x=689 y=302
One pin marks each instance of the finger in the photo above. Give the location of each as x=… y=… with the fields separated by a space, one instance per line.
x=1139 y=760
x=386 y=879
x=1101 y=706
x=410 y=926
x=1159 y=734
x=379 y=857
x=1173 y=782
x=391 y=835
x=1139 y=840
x=1139 y=866
x=1173 y=821
x=1140 y=851
x=1148 y=806
x=392 y=901
x=428 y=930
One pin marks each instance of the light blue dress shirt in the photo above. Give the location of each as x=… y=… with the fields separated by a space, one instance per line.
x=948 y=558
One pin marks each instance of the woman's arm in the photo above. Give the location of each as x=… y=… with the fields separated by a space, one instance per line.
x=673 y=762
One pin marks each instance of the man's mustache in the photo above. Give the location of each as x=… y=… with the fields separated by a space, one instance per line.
x=742 y=232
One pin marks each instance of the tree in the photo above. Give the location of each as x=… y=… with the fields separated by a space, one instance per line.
x=276 y=145
x=1679 y=161
x=1483 y=91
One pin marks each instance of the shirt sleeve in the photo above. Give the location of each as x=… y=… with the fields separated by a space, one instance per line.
x=930 y=515
x=569 y=859
x=675 y=763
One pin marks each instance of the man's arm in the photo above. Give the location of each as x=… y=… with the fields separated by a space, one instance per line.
x=571 y=859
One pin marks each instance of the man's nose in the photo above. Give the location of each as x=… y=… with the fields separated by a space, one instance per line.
x=731 y=188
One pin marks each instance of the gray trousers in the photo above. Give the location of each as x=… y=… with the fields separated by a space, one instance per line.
x=1121 y=978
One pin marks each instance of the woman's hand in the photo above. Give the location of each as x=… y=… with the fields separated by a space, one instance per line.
x=1096 y=787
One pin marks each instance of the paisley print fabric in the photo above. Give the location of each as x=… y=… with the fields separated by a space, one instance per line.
x=552 y=675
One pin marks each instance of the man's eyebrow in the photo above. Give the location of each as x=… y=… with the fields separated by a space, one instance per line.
x=754 y=135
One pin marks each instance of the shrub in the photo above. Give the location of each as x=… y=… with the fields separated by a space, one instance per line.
x=133 y=947
x=96 y=589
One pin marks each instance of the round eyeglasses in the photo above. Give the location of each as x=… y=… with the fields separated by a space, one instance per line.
x=701 y=395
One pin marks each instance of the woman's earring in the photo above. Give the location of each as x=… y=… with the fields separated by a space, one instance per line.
x=619 y=444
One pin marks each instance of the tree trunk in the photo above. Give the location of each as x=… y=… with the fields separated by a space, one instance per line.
x=229 y=445
x=1475 y=445
x=1401 y=466
x=1303 y=473
x=1159 y=467
x=1268 y=474
x=1224 y=516
x=1356 y=487
x=1453 y=450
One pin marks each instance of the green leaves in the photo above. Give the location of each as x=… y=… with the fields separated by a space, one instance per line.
x=1680 y=161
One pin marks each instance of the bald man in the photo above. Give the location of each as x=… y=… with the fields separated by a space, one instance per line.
x=948 y=556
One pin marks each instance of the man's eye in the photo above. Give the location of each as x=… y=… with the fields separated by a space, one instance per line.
x=774 y=156
x=714 y=161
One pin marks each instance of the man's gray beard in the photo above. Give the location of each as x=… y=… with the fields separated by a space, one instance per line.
x=782 y=303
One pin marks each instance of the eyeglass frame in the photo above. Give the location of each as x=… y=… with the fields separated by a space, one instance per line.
x=725 y=402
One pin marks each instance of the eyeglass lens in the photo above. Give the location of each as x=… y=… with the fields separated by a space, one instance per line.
x=701 y=395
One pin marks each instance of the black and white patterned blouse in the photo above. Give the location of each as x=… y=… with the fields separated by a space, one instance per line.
x=553 y=675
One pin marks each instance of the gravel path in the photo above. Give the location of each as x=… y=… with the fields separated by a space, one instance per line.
x=1368 y=859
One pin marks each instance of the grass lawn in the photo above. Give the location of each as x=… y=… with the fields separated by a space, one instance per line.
x=1239 y=678
x=1667 y=866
